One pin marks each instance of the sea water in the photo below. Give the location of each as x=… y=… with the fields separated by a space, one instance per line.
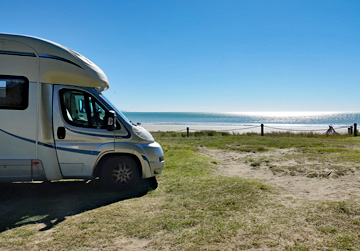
x=282 y=120
x=244 y=118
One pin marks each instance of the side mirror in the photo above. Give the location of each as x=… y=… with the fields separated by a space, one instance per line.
x=111 y=121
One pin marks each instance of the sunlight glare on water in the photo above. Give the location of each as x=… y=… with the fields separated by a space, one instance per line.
x=244 y=118
x=284 y=114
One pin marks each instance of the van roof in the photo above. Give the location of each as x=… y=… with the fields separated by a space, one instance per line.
x=58 y=64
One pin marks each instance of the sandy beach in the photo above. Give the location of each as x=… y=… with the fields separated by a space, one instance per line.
x=242 y=129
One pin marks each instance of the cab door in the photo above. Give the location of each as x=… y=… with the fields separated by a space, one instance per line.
x=80 y=130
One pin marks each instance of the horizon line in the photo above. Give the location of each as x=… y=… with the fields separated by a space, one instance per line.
x=243 y=112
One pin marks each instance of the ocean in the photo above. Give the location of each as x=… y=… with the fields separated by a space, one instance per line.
x=282 y=120
x=244 y=118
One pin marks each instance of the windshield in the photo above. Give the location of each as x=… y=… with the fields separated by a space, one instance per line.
x=119 y=113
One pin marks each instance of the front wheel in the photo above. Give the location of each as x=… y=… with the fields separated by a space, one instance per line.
x=120 y=173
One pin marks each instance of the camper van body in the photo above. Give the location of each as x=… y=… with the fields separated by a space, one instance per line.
x=54 y=119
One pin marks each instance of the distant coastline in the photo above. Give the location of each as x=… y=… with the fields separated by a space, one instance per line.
x=244 y=118
x=296 y=121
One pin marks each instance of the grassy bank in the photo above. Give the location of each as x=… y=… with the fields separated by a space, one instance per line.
x=194 y=208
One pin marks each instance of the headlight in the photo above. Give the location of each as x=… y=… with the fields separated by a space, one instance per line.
x=142 y=133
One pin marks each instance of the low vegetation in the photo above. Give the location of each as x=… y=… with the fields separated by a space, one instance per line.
x=194 y=208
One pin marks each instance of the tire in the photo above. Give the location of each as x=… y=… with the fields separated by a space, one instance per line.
x=120 y=173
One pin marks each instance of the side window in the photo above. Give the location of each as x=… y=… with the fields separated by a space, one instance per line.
x=81 y=109
x=14 y=93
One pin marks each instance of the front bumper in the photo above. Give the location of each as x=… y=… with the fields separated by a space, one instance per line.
x=154 y=158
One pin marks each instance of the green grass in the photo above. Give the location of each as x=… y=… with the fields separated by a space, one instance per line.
x=193 y=208
x=337 y=150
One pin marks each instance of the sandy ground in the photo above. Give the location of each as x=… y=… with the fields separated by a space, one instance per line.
x=331 y=188
x=236 y=129
x=193 y=128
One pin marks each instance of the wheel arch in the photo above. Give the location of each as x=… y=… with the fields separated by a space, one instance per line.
x=106 y=156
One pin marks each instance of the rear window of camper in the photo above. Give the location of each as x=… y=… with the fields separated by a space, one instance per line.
x=14 y=92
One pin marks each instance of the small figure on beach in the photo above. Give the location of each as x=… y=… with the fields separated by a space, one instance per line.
x=331 y=130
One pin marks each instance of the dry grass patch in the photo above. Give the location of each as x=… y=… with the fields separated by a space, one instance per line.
x=217 y=192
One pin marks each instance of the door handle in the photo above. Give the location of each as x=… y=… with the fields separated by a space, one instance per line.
x=61 y=132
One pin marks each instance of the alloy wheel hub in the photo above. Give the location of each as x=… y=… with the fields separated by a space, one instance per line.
x=121 y=174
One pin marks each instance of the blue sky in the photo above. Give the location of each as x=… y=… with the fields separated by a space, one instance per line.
x=211 y=56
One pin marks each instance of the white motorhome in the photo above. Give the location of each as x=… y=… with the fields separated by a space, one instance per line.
x=55 y=123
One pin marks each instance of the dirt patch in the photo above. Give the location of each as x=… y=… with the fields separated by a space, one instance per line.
x=296 y=179
x=123 y=243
